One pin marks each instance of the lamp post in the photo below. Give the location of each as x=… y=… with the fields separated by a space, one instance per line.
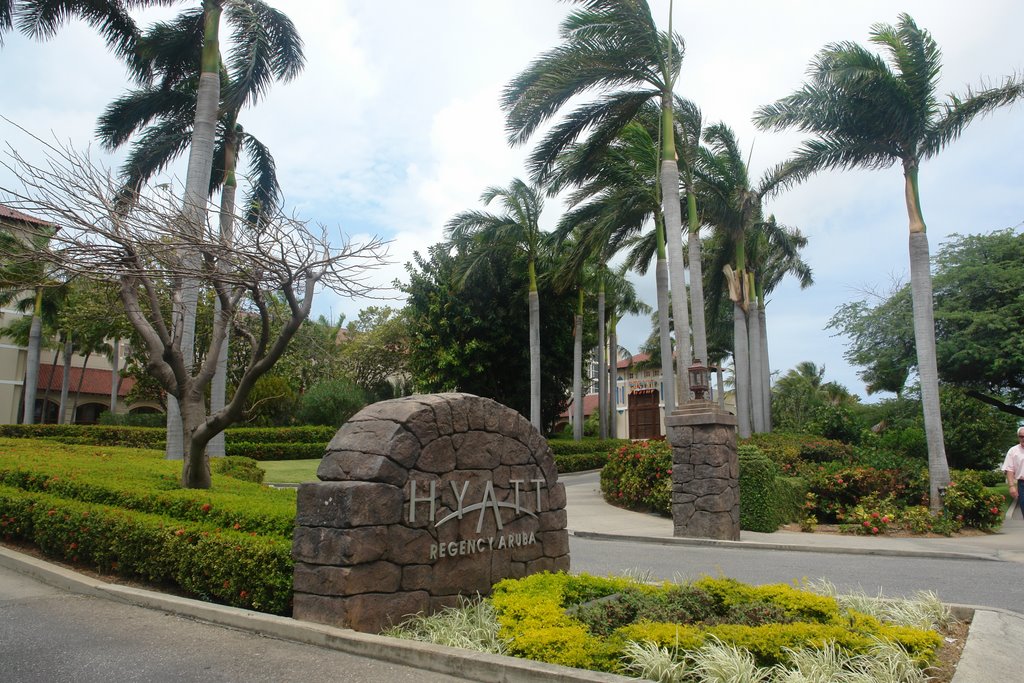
x=699 y=380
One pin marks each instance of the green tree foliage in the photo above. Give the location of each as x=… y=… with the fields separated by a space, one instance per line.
x=470 y=334
x=331 y=402
x=802 y=401
x=978 y=327
x=375 y=351
x=271 y=403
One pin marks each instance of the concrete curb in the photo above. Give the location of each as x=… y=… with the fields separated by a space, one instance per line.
x=758 y=545
x=464 y=664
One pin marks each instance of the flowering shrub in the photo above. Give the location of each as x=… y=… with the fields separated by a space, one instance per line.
x=967 y=502
x=871 y=517
x=639 y=476
x=838 y=488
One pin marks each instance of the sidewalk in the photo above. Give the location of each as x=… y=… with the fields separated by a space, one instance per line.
x=590 y=516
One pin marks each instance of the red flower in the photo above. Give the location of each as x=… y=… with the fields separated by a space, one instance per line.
x=867 y=523
x=874 y=529
x=205 y=507
x=179 y=532
x=874 y=515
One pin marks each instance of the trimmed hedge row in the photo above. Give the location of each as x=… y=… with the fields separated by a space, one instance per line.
x=767 y=499
x=585 y=446
x=276 y=451
x=239 y=569
x=134 y=481
x=580 y=463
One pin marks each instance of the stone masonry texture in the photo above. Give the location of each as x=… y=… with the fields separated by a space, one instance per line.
x=421 y=500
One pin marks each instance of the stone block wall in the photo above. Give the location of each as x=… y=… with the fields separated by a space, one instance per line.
x=424 y=499
x=705 y=472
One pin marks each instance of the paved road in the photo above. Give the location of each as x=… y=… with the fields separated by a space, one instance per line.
x=50 y=636
x=974 y=582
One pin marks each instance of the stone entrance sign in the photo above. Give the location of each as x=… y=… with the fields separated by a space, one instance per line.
x=423 y=499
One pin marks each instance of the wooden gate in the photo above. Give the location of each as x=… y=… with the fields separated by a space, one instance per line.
x=644 y=415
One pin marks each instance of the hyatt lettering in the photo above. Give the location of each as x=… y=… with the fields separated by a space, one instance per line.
x=487 y=502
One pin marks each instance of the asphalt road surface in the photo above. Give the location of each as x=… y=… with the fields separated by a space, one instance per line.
x=51 y=636
x=971 y=582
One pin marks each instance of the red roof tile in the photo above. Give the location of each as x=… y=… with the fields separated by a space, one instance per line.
x=95 y=381
x=590 y=405
x=10 y=214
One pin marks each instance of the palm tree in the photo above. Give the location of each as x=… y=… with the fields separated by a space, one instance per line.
x=871 y=111
x=616 y=196
x=734 y=207
x=518 y=227
x=614 y=48
x=620 y=298
x=21 y=272
x=771 y=259
x=161 y=117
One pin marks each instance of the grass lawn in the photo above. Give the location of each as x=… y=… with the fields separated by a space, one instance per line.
x=290 y=471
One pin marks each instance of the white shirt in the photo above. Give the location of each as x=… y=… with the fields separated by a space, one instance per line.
x=1014 y=461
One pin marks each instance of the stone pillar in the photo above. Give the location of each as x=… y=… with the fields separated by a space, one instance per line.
x=705 y=472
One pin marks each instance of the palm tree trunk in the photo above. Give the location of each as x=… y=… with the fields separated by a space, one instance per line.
x=700 y=334
x=613 y=384
x=65 y=382
x=219 y=384
x=602 y=366
x=81 y=378
x=766 y=375
x=741 y=367
x=49 y=382
x=35 y=342
x=577 y=375
x=115 y=374
x=756 y=369
x=677 y=277
x=535 y=358
x=197 y=180
x=668 y=384
x=720 y=382
x=924 y=338
x=924 y=335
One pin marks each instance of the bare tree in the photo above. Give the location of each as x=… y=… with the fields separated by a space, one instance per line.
x=156 y=256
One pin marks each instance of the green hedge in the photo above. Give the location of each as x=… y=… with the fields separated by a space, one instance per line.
x=97 y=435
x=757 y=491
x=580 y=463
x=588 y=445
x=145 y=483
x=235 y=568
x=276 y=451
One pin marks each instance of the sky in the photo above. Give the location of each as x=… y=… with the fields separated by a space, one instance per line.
x=394 y=127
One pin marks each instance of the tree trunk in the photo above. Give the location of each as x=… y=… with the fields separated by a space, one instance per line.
x=924 y=335
x=49 y=382
x=197 y=182
x=766 y=373
x=613 y=381
x=65 y=383
x=78 y=389
x=720 y=382
x=115 y=374
x=741 y=367
x=924 y=338
x=35 y=342
x=602 y=366
x=677 y=277
x=754 y=349
x=219 y=384
x=668 y=384
x=535 y=360
x=577 y=375
x=700 y=335
x=195 y=470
